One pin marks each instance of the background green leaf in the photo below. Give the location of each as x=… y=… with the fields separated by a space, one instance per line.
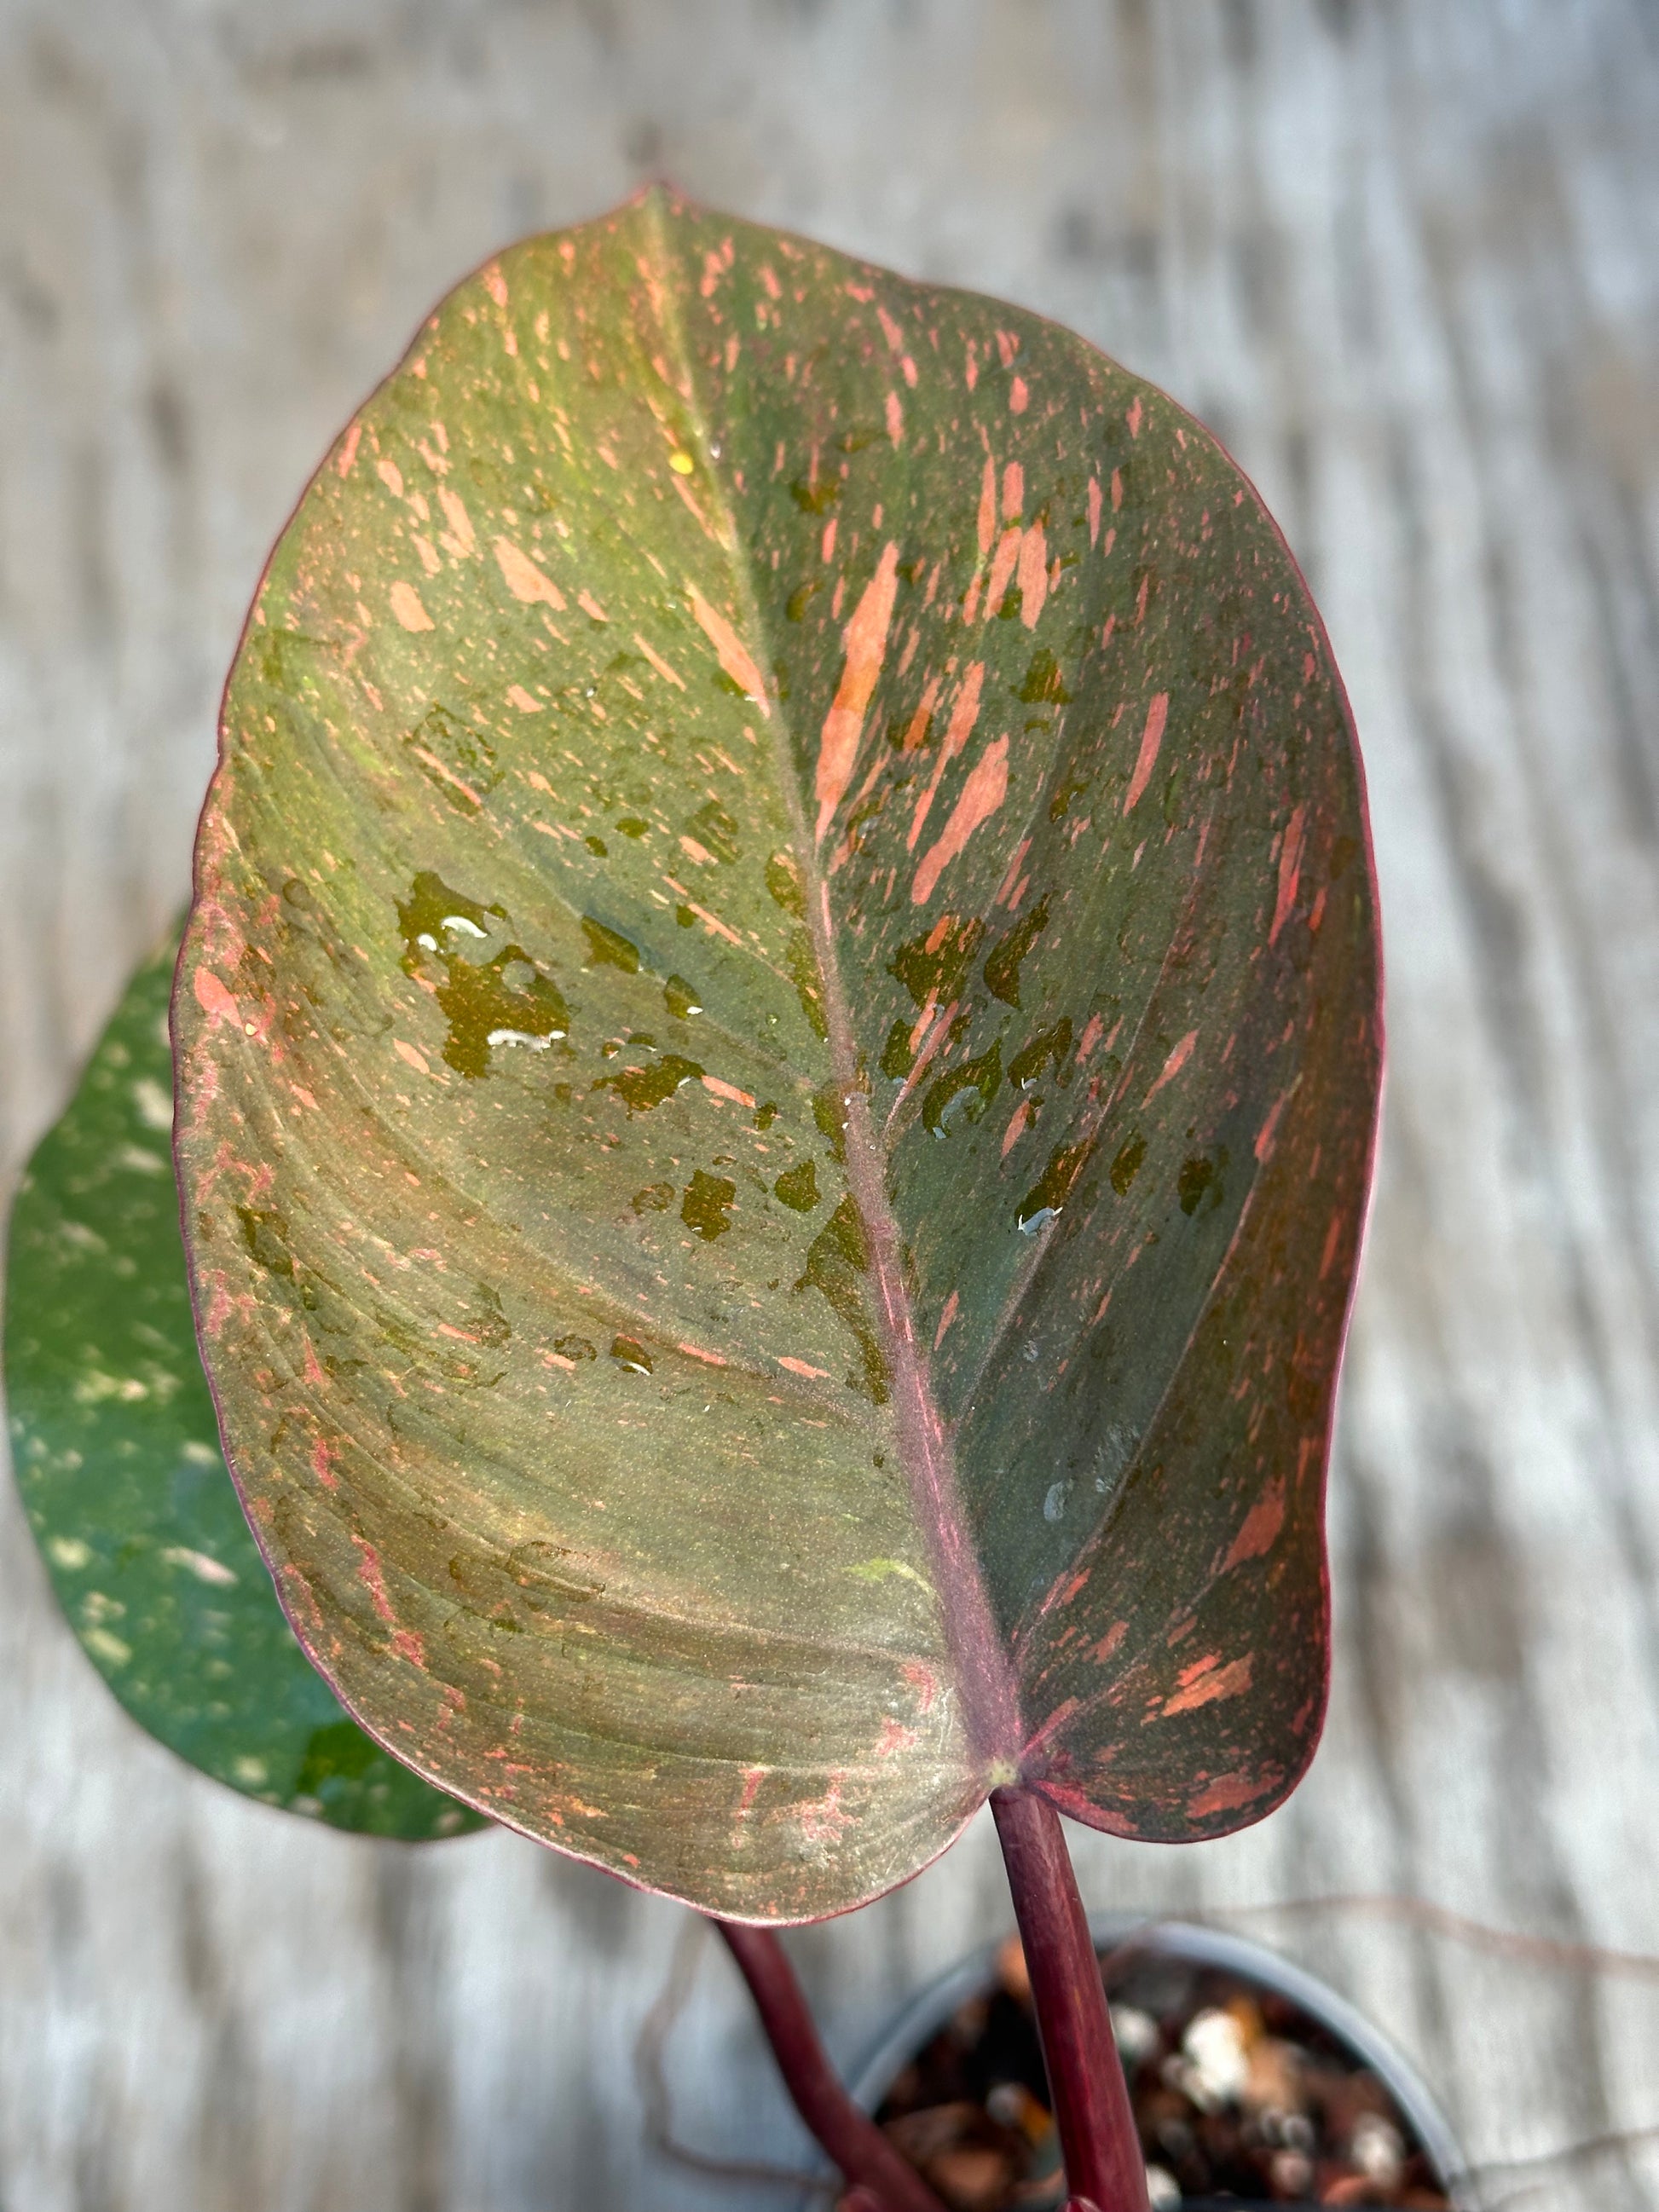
x=117 y=1454
x=779 y=1051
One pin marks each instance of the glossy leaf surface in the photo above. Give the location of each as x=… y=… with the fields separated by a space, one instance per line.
x=118 y=1458
x=779 y=1050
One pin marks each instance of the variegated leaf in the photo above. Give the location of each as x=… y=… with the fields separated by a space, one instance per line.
x=779 y=1047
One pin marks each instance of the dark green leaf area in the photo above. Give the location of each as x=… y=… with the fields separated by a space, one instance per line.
x=838 y=1257
x=490 y=1002
x=783 y=882
x=809 y=983
x=716 y=831
x=965 y=1092
x=117 y=1454
x=1126 y=1165
x=609 y=948
x=896 y=1055
x=643 y=1088
x=799 y=1187
x=431 y=919
x=933 y=968
x=707 y=1206
x=1048 y=1050
x=1042 y=680
x=1003 y=962
x=815 y=498
x=1202 y=1181
x=504 y=1002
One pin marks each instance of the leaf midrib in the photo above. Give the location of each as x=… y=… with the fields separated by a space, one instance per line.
x=991 y=1709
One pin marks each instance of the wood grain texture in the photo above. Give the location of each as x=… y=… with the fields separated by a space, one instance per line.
x=1402 y=259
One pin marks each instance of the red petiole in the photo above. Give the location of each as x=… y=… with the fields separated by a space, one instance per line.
x=1098 y=2136
x=851 y=2138
x=1104 y=2170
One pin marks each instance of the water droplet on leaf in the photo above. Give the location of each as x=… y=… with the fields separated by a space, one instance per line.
x=433 y=913
x=1048 y=1194
x=484 y=1009
x=968 y=1090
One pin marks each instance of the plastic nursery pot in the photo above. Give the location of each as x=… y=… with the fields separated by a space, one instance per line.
x=1254 y=2084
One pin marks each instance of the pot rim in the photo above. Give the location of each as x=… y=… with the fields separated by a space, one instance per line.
x=928 y=2010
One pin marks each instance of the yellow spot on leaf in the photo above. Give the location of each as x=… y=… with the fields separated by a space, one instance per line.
x=881 y=1571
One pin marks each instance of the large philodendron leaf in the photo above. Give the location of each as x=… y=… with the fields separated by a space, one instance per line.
x=117 y=1459
x=779 y=1049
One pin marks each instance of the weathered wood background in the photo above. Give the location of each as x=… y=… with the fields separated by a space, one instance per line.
x=1404 y=256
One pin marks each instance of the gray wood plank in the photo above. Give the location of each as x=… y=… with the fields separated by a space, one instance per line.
x=1405 y=258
